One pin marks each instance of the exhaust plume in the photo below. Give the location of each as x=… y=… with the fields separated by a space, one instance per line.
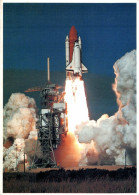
x=68 y=152
x=115 y=134
x=77 y=112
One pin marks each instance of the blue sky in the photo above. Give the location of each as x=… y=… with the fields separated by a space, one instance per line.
x=32 y=32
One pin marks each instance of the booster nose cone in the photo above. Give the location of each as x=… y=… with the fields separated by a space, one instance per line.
x=72 y=38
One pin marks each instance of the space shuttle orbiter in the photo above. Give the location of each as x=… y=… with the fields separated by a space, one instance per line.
x=74 y=66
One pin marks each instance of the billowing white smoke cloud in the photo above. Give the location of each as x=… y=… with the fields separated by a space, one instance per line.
x=14 y=154
x=113 y=135
x=19 y=116
x=19 y=128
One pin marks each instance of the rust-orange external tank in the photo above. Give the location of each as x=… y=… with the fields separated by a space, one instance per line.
x=72 y=38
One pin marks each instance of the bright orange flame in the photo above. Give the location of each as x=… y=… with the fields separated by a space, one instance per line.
x=70 y=151
x=77 y=111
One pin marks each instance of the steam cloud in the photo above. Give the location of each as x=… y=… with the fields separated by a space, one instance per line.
x=113 y=135
x=19 y=129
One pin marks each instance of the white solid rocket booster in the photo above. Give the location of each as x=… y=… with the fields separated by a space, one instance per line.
x=67 y=49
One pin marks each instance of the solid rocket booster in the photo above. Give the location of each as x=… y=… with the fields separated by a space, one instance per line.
x=74 y=66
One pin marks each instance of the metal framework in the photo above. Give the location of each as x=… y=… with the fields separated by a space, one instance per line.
x=51 y=125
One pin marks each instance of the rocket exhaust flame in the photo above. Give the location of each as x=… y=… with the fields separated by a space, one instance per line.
x=77 y=111
x=70 y=152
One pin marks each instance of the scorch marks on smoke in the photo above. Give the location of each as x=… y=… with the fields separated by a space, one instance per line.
x=113 y=135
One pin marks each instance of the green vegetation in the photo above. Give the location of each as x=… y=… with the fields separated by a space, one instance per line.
x=71 y=181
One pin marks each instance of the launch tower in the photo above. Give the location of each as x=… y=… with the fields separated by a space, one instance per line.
x=51 y=123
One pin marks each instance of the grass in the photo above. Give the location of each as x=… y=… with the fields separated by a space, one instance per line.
x=97 y=186
x=82 y=181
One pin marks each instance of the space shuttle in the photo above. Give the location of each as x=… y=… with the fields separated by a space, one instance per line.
x=73 y=47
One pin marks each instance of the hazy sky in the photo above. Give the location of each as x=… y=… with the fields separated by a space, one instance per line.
x=32 y=32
